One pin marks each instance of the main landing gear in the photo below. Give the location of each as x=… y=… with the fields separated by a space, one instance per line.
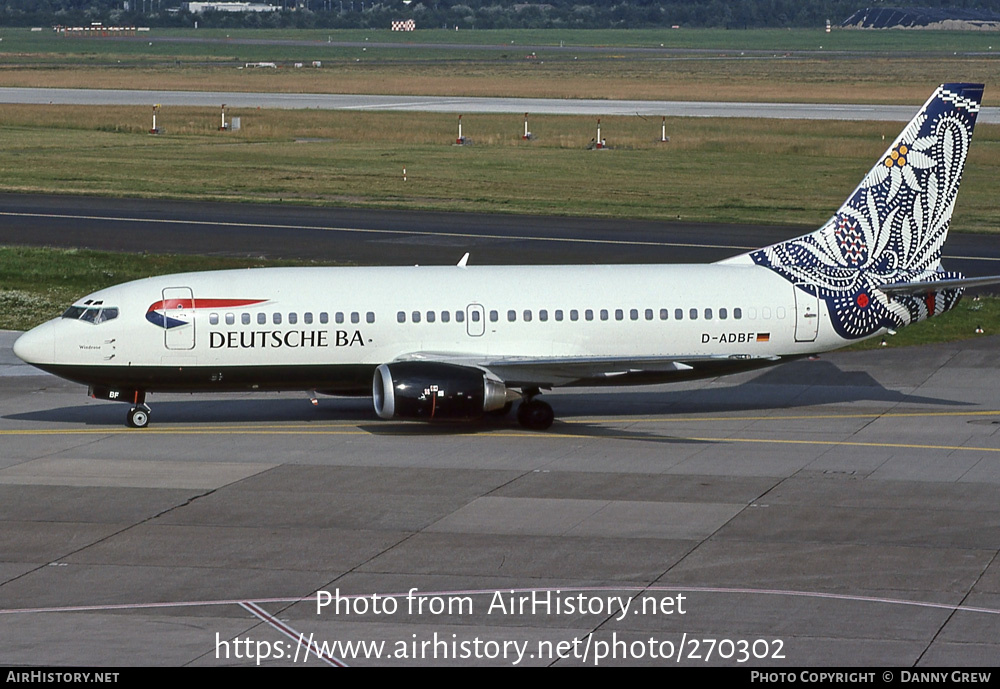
x=138 y=416
x=534 y=414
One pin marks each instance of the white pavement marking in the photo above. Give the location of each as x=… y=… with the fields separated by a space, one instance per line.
x=362 y=230
x=299 y=638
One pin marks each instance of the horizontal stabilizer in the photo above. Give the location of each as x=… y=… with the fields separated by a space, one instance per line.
x=928 y=286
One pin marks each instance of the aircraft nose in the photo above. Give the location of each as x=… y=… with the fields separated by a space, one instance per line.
x=37 y=346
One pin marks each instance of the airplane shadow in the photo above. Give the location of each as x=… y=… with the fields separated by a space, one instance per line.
x=574 y=430
x=793 y=385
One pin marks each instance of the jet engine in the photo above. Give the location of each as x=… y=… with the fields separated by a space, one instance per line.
x=433 y=391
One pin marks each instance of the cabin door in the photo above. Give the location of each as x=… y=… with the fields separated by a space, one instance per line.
x=178 y=318
x=806 y=312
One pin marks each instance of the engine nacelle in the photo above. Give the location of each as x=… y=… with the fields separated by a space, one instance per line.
x=431 y=391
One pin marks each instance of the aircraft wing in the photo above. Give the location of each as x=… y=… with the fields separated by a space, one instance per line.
x=589 y=370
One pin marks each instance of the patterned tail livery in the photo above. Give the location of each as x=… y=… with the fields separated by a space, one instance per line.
x=877 y=261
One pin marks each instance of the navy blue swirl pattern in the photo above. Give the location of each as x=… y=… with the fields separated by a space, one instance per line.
x=892 y=227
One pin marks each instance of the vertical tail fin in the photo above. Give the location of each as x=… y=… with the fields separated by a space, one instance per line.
x=891 y=229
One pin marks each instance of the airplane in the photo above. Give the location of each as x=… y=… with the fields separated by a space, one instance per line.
x=459 y=342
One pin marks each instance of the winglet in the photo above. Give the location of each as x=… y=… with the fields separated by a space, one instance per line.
x=465 y=260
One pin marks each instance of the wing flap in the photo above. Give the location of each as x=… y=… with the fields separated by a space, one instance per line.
x=555 y=371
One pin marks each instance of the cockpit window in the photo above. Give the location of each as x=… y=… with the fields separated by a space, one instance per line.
x=92 y=314
x=108 y=313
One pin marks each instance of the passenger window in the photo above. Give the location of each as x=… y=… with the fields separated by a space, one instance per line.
x=401 y=317
x=604 y=314
x=276 y=318
x=293 y=318
x=355 y=317
x=619 y=314
x=230 y=319
x=693 y=314
x=370 y=317
x=307 y=317
x=460 y=316
x=213 y=318
x=559 y=314
x=543 y=315
x=663 y=314
x=527 y=315
x=738 y=313
x=649 y=314
x=678 y=314
x=430 y=316
x=765 y=313
x=324 y=317
x=339 y=317
x=634 y=314
x=445 y=316
x=416 y=316
x=245 y=318
x=589 y=314
x=574 y=315
x=780 y=313
x=723 y=314
x=261 y=318
x=494 y=316
x=475 y=316
x=708 y=314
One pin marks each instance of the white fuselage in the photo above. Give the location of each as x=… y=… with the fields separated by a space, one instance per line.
x=275 y=320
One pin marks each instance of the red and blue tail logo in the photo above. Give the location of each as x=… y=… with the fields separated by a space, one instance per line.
x=171 y=313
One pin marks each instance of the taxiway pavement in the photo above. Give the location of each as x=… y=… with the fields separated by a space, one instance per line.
x=832 y=512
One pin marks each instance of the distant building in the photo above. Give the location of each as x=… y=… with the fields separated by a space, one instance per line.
x=200 y=7
x=922 y=18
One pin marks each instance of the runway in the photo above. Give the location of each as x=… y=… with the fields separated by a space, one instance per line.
x=822 y=513
x=379 y=237
x=467 y=105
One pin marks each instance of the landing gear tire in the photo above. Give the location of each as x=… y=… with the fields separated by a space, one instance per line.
x=137 y=417
x=535 y=415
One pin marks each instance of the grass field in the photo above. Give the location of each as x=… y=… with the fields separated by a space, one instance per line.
x=852 y=66
x=205 y=42
x=37 y=284
x=725 y=170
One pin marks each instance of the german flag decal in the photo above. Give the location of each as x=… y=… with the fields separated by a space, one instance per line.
x=763 y=337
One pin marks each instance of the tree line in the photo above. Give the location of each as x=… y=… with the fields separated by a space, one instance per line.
x=466 y=14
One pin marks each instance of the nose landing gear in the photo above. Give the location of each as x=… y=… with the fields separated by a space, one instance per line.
x=138 y=416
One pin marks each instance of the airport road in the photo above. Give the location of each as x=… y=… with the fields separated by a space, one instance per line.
x=832 y=512
x=464 y=104
x=385 y=237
